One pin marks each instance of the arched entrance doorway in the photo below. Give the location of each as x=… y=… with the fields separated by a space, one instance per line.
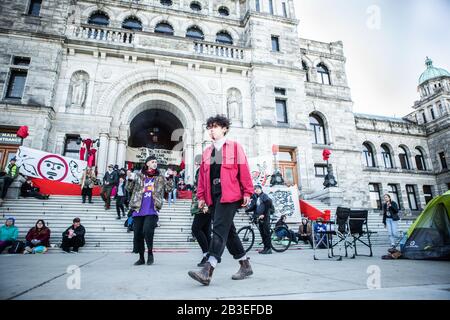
x=152 y=88
x=155 y=131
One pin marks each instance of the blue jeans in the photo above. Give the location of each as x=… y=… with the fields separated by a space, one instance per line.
x=173 y=196
x=392 y=227
x=281 y=233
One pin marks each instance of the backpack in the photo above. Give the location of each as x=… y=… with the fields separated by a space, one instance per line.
x=17 y=247
x=271 y=208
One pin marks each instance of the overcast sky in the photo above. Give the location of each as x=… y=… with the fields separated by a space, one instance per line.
x=385 y=42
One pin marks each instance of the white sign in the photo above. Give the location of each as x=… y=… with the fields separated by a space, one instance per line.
x=43 y=165
x=286 y=201
x=164 y=157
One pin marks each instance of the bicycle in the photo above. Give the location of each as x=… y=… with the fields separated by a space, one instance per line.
x=280 y=236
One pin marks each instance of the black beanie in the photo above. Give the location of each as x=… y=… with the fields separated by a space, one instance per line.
x=152 y=157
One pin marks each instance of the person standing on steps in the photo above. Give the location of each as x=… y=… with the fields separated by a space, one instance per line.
x=12 y=171
x=146 y=201
x=87 y=183
x=110 y=179
x=224 y=185
x=120 y=196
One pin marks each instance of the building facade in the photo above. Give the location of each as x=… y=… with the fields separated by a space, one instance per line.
x=148 y=73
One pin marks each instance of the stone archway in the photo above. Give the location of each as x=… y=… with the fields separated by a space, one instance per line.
x=151 y=89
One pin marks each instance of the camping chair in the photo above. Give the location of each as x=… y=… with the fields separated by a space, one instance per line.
x=360 y=231
x=324 y=238
x=343 y=234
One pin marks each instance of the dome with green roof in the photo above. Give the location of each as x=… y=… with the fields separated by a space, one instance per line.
x=432 y=72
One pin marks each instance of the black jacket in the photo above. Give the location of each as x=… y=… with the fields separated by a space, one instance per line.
x=393 y=211
x=264 y=206
x=79 y=232
x=26 y=188
x=112 y=178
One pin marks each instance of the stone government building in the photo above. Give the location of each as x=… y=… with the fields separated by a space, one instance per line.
x=120 y=70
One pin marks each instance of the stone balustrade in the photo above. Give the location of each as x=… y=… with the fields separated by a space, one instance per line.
x=148 y=40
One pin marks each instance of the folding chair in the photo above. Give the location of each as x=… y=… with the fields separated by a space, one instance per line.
x=360 y=230
x=324 y=237
x=343 y=234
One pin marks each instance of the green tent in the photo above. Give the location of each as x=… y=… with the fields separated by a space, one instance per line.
x=429 y=236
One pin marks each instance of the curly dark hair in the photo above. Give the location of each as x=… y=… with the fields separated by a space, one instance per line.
x=219 y=120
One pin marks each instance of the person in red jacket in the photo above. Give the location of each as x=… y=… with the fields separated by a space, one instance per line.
x=39 y=235
x=224 y=185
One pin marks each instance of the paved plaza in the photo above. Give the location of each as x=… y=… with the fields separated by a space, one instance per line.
x=290 y=275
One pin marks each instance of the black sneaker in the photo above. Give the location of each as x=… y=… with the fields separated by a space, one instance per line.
x=139 y=262
x=266 y=251
x=150 y=259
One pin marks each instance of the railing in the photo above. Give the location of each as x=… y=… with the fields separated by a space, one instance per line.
x=218 y=50
x=156 y=41
x=98 y=33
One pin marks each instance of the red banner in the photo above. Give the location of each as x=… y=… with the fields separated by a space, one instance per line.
x=312 y=213
x=61 y=188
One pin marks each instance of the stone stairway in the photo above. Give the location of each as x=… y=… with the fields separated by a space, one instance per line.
x=105 y=233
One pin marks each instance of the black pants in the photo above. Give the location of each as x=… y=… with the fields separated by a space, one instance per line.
x=5 y=244
x=201 y=229
x=127 y=198
x=120 y=200
x=75 y=242
x=144 y=228
x=264 y=230
x=106 y=195
x=306 y=239
x=34 y=194
x=224 y=231
x=6 y=183
x=86 y=192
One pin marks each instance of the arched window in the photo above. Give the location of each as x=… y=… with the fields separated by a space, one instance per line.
x=165 y=28
x=420 y=160
x=368 y=155
x=318 y=128
x=223 y=11
x=224 y=37
x=167 y=3
x=306 y=69
x=324 y=73
x=132 y=23
x=195 y=6
x=403 y=157
x=387 y=156
x=195 y=33
x=99 y=18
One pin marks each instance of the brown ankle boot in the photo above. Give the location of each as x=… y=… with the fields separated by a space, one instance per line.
x=244 y=271
x=204 y=275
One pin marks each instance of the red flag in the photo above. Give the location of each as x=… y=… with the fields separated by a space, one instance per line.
x=326 y=154
x=22 y=132
x=275 y=149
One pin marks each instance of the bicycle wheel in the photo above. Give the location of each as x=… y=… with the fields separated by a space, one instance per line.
x=247 y=237
x=280 y=239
